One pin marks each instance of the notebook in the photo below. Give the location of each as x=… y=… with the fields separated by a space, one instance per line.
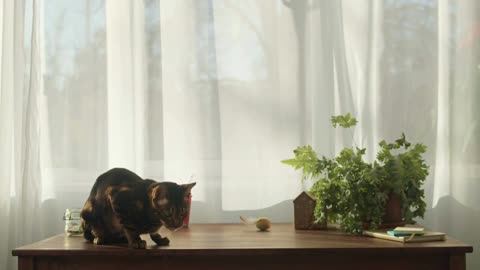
x=406 y=231
x=426 y=237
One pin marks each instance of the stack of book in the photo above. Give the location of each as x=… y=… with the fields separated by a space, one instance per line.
x=407 y=235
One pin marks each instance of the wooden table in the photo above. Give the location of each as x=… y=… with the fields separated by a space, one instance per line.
x=219 y=246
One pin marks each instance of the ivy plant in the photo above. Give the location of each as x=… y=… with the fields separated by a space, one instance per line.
x=353 y=192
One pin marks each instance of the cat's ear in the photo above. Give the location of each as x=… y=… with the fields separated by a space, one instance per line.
x=159 y=195
x=187 y=188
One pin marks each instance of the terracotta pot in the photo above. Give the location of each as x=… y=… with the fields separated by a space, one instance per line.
x=393 y=212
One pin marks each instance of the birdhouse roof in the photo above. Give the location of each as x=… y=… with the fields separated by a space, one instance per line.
x=310 y=196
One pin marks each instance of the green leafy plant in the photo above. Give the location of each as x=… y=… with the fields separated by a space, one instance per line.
x=353 y=192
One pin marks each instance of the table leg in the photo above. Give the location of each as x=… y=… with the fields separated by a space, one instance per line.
x=457 y=262
x=25 y=263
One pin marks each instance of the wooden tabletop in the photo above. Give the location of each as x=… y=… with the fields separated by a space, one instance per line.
x=235 y=239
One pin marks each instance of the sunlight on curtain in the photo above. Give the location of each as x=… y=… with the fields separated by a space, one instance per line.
x=464 y=96
x=223 y=90
x=75 y=100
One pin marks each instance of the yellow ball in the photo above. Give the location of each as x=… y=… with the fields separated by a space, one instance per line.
x=263 y=224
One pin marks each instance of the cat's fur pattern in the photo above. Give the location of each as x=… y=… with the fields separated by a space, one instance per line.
x=121 y=206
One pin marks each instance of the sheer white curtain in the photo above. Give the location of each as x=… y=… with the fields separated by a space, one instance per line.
x=20 y=182
x=223 y=90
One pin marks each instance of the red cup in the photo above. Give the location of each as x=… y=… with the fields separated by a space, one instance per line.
x=186 y=221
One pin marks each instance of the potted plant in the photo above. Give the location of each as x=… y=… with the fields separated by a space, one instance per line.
x=360 y=195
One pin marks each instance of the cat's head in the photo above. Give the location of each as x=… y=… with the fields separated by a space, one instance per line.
x=170 y=200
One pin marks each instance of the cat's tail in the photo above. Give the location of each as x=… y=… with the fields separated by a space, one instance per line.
x=88 y=217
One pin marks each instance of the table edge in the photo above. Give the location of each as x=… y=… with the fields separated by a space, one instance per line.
x=240 y=251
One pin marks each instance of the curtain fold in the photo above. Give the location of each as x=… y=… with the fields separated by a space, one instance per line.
x=220 y=91
x=126 y=89
x=19 y=128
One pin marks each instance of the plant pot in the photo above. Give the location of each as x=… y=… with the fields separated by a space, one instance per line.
x=393 y=212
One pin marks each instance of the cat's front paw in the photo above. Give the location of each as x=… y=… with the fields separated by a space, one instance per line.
x=161 y=241
x=139 y=244
x=98 y=241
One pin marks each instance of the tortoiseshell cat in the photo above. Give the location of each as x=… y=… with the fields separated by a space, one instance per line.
x=121 y=206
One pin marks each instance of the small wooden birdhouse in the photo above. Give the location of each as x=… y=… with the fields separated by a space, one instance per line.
x=304 y=206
